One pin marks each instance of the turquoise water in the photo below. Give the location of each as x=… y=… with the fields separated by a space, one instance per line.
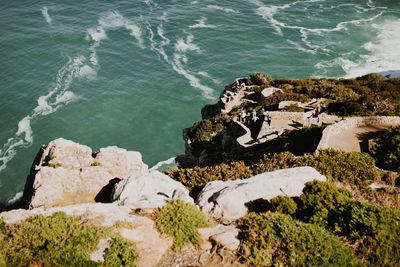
x=135 y=73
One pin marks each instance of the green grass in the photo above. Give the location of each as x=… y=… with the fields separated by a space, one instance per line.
x=180 y=220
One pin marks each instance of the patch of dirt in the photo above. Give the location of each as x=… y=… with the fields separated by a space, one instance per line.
x=192 y=256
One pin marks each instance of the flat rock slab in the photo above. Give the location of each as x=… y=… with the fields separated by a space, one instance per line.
x=226 y=200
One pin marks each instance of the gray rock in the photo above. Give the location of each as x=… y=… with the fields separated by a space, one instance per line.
x=149 y=191
x=225 y=235
x=227 y=200
x=66 y=173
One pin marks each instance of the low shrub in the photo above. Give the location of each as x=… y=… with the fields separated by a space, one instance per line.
x=180 y=220
x=321 y=203
x=354 y=168
x=277 y=239
x=274 y=162
x=120 y=253
x=55 y=240
x=259 y=78
x=386 y=151
x=59 y=240
x=371 y=230
x=283 y=204
x=198 y=176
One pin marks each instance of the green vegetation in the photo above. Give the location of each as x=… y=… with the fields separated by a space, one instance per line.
x=205 y=130
x=54 y=165
x=387 y=150
x=354 y=168
x=372 y=229
x=57 y=240
x=283 y=204
x=95 y=163
x=120 y=253
x=180 y=220
x=279 y=240
x=191 y=177
x=259 y=78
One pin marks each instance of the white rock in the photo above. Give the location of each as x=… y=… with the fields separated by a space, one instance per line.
x=120 y=162
x=226 y=235
x=149 y=191
x=226 y=200
x=269 y=91
x=68 y=174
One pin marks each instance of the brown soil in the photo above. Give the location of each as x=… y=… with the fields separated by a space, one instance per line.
x=356 y=139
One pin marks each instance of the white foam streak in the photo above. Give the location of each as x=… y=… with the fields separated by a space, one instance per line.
x=47 y=104
x=183 y=46
x=113 y=19
x=46 y=15
x=201 y=23
x=224 y=9
x=193 y=80
x=16 y=197
x=161 y=163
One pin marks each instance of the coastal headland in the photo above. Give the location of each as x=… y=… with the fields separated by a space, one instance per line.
x=277 y=172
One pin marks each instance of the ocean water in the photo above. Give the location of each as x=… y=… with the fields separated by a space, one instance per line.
x=135 y=73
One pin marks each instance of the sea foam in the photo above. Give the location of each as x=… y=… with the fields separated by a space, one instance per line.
x=46 y=15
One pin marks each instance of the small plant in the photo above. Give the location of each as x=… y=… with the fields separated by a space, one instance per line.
x=95 y=163
x=283 y=204
x=180 y=220
x=120 y=253
x=54 y=165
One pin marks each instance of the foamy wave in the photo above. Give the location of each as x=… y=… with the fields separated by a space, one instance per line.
x=179 y=58
x=46 y=15
x=47 y=104
x=382 y=55
x=224 y=9
x=113 y=19
x=162 y=163
x=201 y=23
x=183 y=46
x=205 y=74
x=16 y=197
x=193 y=80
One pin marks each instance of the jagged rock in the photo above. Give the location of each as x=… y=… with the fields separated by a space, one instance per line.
x=228 y=200
x=270 y=91
x=149 y=191
x=149 y=244
x=65 y=173
x=225 y=235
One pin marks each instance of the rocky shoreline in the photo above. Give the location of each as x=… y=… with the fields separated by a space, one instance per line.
x=114 y=188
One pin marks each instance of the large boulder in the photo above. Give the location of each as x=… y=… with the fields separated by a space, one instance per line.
x=149 y=243
x=149 y=191
x=228 y=200
x=67 y=173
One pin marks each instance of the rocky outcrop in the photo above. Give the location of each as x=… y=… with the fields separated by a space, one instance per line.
x=149 y=191
x=149 y=243
x=68 y=173
x=229 y=200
